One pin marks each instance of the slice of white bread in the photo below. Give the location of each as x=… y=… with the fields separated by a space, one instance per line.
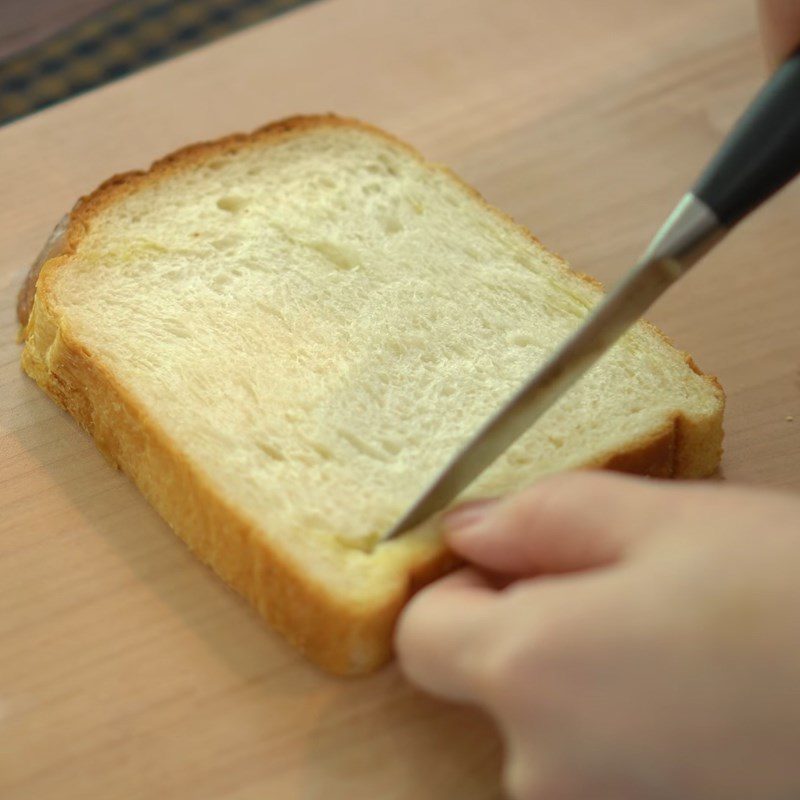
x=281 y=337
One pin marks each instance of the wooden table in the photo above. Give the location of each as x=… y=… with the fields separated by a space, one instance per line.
x=126 y=669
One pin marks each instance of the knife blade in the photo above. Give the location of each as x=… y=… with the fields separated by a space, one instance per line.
x=691 y=231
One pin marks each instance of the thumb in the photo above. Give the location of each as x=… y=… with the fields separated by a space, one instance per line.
x=780 y=28
x=566 y=523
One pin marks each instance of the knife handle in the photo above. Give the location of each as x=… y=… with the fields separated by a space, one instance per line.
x=762 y=152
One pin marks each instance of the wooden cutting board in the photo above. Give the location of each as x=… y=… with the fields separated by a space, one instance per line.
x=127 y=670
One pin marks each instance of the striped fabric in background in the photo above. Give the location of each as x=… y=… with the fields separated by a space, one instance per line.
x=121 y=39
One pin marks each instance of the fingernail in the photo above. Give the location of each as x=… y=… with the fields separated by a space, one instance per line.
x=468 y=515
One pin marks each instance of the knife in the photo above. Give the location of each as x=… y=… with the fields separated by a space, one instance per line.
x=760 y=155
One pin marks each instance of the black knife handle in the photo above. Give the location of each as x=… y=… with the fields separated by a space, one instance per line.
x=761 y=154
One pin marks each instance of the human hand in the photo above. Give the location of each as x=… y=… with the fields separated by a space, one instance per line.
x=780 y=28
x=648 y=645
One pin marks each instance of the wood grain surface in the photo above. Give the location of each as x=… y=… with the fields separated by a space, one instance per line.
x=127 y=670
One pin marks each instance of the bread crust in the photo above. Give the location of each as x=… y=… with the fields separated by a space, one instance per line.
x=340 y=637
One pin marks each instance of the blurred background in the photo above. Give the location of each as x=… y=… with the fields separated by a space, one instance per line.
x=53 y=49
